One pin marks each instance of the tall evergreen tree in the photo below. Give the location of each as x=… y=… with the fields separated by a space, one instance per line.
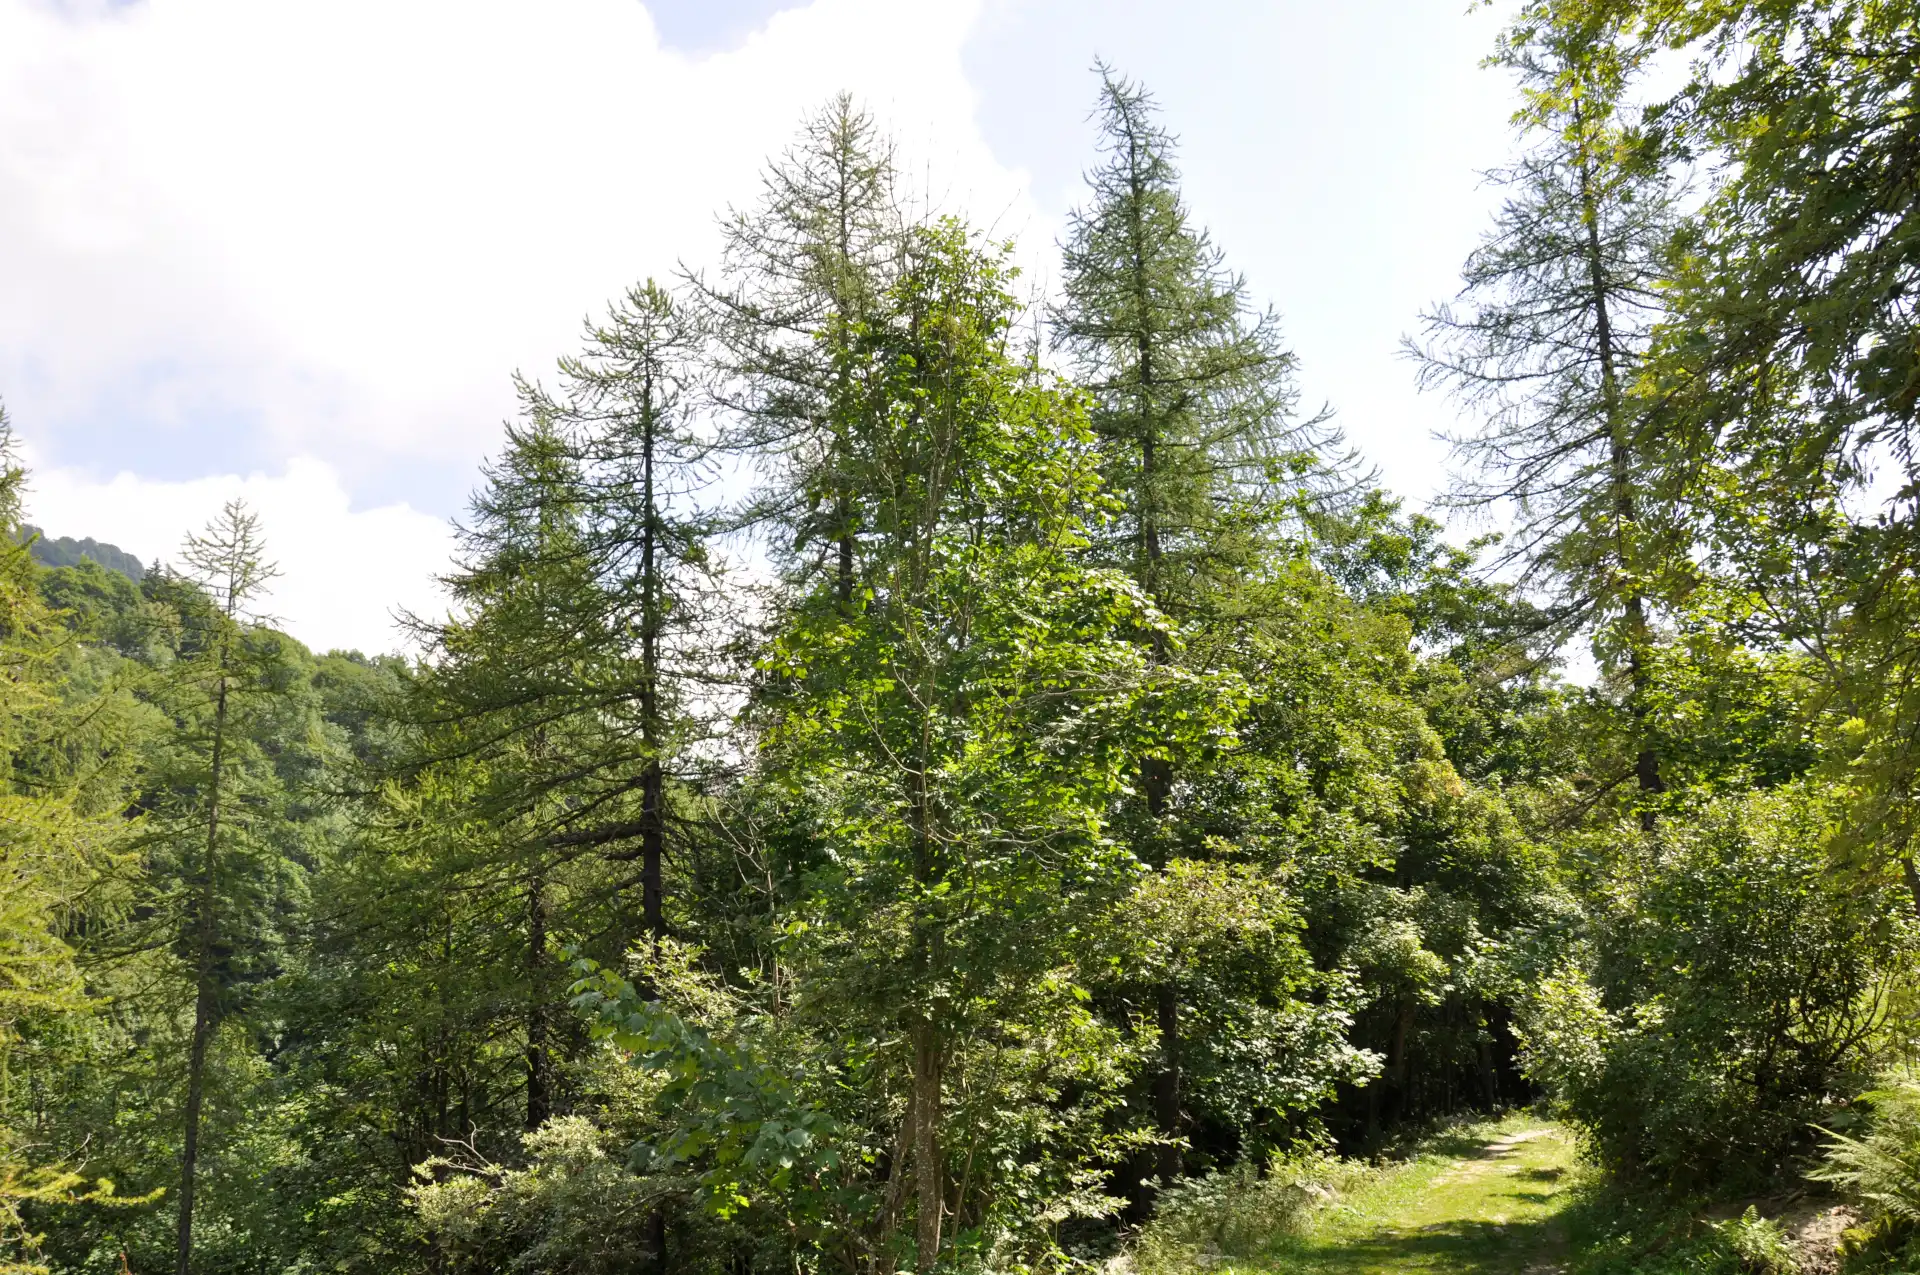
x=800 y=274
x=1196 y=411
x=228 y=561
x=1547 y=343
x=521 y=752
x=645 y=469
x=571 y=691
x=1195 y=401
x=1787 y=367
x=51 y=855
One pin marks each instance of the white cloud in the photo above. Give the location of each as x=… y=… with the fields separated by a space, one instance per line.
x=344 y=572
x=236 y=232
x=385 y=207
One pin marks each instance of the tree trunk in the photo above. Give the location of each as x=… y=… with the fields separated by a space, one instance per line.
x=657 y=1238
x=843 y=583
x=1489 y=1078
x=653 y=844
x=929 y=1176
x=1169 y=1158
x=894 y=1199
x=539 y=1097
x=1398 y=1062
x=443 y=1039
x=196 y=1091
x=203 y=996
x=1156 y=774
x=653 y=808
x=1156 y=780
x=1646 y=763
x=1620 y=459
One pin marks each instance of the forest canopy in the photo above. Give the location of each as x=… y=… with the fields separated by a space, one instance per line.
x=916 y=776
x=65 y=551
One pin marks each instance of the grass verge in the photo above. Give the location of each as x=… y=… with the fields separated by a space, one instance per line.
x=1485 y=1197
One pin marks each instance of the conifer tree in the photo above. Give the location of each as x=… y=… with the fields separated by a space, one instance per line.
x=800 y=274
x=35 y=963
x=507 y=740
x=645 y=469
x=50 y=854
x=1787 y=365
x=1195 y=401
x=573 y=683
x=1196 y=411
x=1546 y=345
x=228 y=560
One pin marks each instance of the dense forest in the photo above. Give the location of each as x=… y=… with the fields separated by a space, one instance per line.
x=65 y=551
x=914 y=776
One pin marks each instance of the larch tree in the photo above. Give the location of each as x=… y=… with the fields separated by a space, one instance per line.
x=508 y=765
x=1546 y=344
x=228 y=561
x=1787 y=367
x=644 y=467
x=572 y=684
x=1195 y=407
x=51 y=855
x=800 y=273
x=1195 y=400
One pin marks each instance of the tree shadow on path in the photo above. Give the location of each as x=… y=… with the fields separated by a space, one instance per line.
x=1492 y=1207
x=1463 y=1246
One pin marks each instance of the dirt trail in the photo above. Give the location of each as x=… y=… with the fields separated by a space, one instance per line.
x=1485 y=1199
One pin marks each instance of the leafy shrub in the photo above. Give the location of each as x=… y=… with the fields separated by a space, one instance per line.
x=572 y=1208
x=1564 y=1030
x=1734 y=994
x=1240 y=1212
x=1613 y=1230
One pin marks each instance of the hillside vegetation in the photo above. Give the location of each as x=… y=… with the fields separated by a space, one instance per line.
x=65 y=551
x=913 y=779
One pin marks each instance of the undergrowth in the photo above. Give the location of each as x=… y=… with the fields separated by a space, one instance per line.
x=1242 y=1213
x=1492 y=1197
x=1613 y=1232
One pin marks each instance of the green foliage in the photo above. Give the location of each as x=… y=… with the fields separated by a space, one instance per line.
x=1617 y=1232
x=1553 y=322
x=1241 y=1212
x=1783 y=369
x=1760 y=1244
x=1264 y=1031
x=1739 y=990
x=1193 y=396
x=570 y=1209
x=957 y=741
x=53 y=855
x=1882 y=1165
x=68 y=552
x=742 y=1119
x=1102 y=797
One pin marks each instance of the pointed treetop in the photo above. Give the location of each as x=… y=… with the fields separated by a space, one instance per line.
x=229 y=560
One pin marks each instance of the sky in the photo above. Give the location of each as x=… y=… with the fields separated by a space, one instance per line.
x=293 y=250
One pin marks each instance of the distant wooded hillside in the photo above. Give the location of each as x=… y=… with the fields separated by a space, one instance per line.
x=65 y=551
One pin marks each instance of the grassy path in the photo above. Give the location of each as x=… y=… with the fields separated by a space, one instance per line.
x=1484 y=1198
